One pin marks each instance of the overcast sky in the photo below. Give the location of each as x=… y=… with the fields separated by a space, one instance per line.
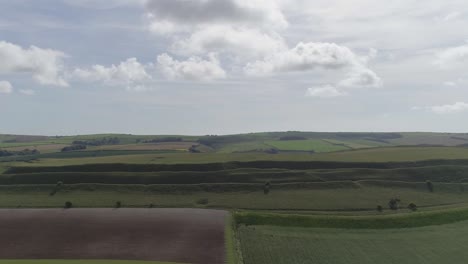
x=231 y=66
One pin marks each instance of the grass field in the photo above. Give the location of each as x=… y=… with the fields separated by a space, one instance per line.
x=394 y=154
x=306 y=145
x=293 y=245
x=357 y=198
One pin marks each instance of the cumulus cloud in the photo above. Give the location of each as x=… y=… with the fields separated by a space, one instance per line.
x=450 y=108
x=241 y=42
x=304 y=57
x=181 y=15
x=452 y=57
x=129 y=73
x=45 y=65
x=361 y=77
x=325 y=91
x=193 y=68
x=313 y=55
x=238 y=30
x=6 y=87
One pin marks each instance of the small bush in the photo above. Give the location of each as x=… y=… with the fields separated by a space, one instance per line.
x=68 y=205
x=394 y=203
x=118 y=204
x=379 y=208
x=202 y=201
x=430 y=186
x=412 y=207
x=150 y=205
x=266 y=188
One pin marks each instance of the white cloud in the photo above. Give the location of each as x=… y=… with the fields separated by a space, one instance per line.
x=181 y=15
x=304 y=57
x=27 y=92
x=6 y=87
x=241 y=42
x=237 y=30
x=452 y=57
x=129 y=73
x=45 y=65
x=313 y=55
x=325 y=91
x=194 y=68
x=450 y=108
x=361 y=77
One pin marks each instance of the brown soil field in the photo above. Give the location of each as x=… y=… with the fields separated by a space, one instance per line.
x=149 y=146
x=171 y=234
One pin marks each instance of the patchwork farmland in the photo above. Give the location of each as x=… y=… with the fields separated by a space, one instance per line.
x=280 y=197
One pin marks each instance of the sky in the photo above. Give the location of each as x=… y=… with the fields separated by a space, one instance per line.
x=200 y=67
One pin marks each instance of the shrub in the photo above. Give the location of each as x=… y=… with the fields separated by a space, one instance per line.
x=430 y=186
x=266 y=188
x=151 y=205
x=412 y=207
x=68 y=205
x=379 y=208
x=394 y=203
x=118 y=204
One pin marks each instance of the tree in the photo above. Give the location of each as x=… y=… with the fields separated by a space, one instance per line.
x=68 y=205
x=412 y=207
x=394 y=203
x=266 y=188
x=430 y=186
x=379 y=208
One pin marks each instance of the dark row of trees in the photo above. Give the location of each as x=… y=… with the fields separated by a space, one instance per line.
x=73 y=148
x=98 y=142
x=159 y=140
x=24 y=152
x=394 y=204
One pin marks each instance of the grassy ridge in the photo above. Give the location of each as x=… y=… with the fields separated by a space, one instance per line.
x=454 y=174
x=360 y=197
x=416 y=219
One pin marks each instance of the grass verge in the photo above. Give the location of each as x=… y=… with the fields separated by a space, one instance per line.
x=416 y=219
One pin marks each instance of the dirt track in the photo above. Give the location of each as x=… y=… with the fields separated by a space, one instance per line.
x=178 y=235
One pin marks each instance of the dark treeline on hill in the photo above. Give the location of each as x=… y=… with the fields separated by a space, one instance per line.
x=74 y=147
x=24 y=152
x=214 y=140
x=292 y=138
x=290 y=165
x=159 y=140
x=98 y=142
x=423 y=178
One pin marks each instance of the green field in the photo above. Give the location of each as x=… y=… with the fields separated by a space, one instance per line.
x=293 y=245
x=363 y=197
x=306 y=145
